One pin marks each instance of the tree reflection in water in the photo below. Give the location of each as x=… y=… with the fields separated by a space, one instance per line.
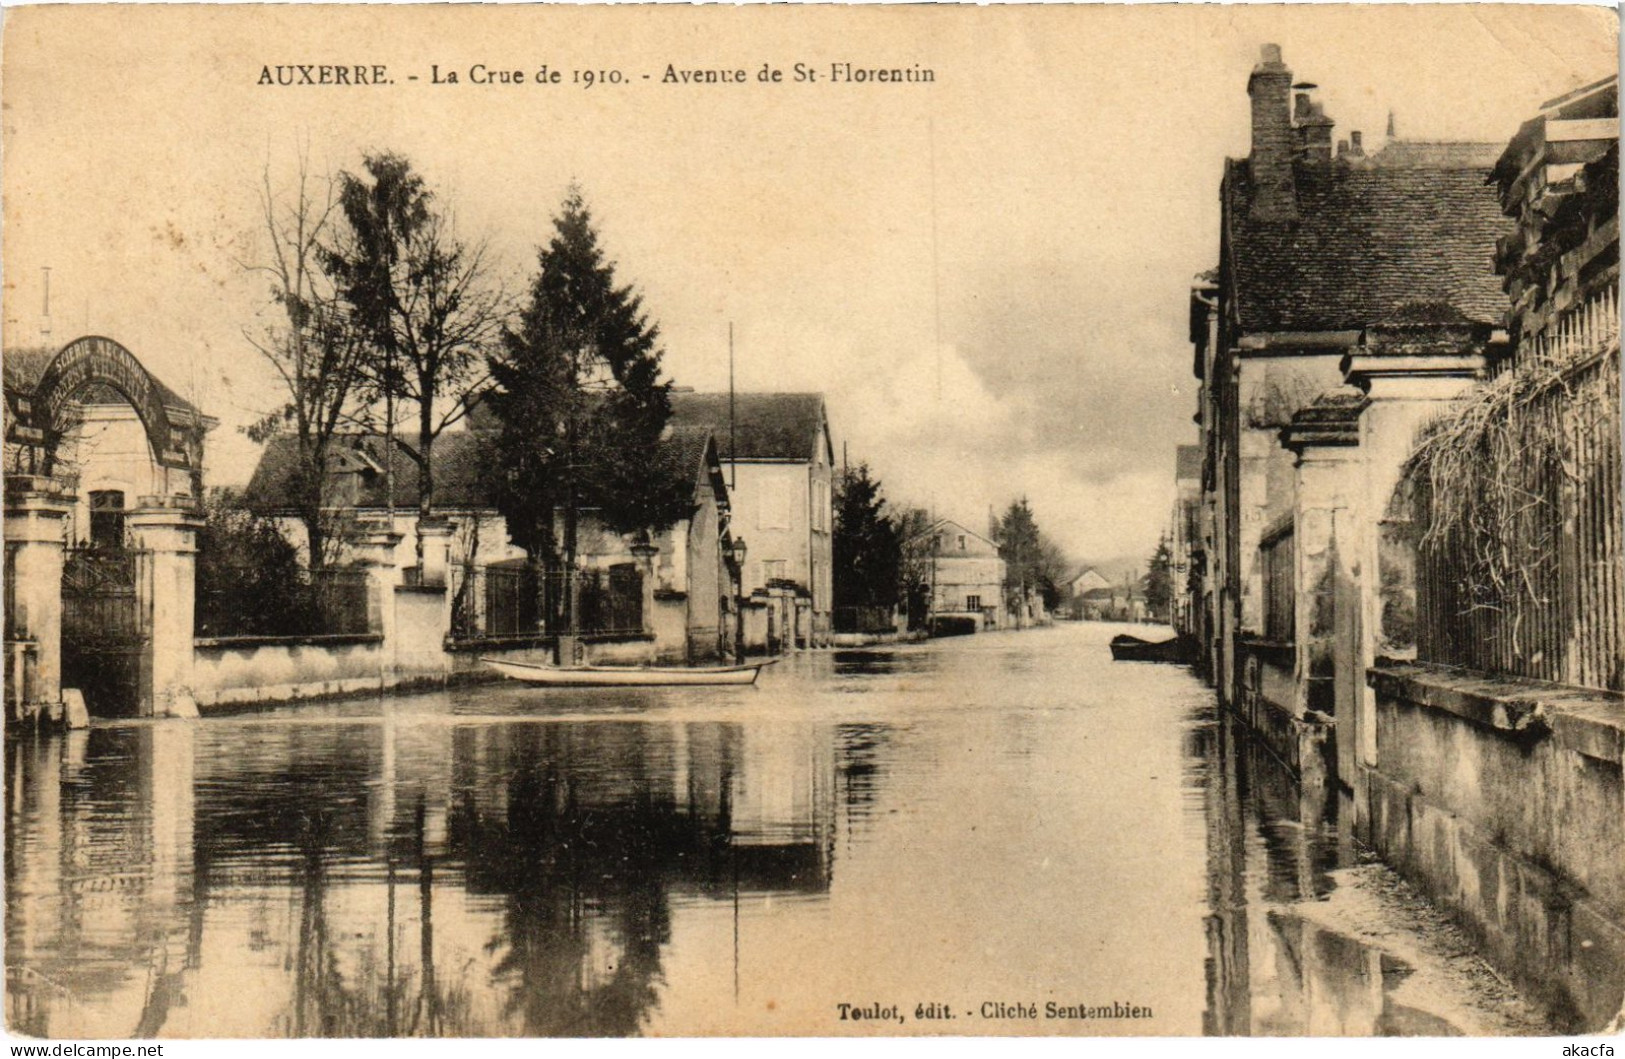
x=371 y=878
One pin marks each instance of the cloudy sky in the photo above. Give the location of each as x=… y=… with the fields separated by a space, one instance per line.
x=986 y=275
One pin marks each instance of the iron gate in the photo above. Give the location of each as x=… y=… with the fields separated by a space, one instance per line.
x=104 y=633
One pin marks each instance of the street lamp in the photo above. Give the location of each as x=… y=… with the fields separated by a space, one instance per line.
x=739 y=599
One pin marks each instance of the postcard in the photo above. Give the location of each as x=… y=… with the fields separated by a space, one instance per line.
x=812 y=521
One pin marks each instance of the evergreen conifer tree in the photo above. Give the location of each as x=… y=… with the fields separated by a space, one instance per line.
x=580 y=402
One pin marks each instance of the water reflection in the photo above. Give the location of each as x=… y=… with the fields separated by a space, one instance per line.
x=380 y=878
x=1273 y=845
x=992 y=817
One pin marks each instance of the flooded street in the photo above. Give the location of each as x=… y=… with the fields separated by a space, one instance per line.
x=1006 y=831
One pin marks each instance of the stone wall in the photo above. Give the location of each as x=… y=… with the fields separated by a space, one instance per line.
x=238 y=670
x=1502 y=799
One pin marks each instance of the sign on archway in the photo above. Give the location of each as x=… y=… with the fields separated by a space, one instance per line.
x=94 y=360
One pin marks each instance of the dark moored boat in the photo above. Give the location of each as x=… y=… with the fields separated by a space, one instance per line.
x=1127 y=648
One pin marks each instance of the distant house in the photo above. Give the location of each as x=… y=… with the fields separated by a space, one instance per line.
x=359 y=487
x=1086 y=580
x=1188 y=552
x=964 y=575
x=778 y=460
x=677 y=595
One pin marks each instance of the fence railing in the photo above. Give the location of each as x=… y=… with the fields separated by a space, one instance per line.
x=236 y=601
x=1517 y=499
x=611 y=600
x=1276 y=553
x=492 y=602
x=1591 y=325
x=864 y=619
x=514 y=600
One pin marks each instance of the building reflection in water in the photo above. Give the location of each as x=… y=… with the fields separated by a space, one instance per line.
x=385 y=877
x=1271 y=845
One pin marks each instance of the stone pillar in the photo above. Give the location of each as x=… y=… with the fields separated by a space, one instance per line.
x=374 y=548
x=434 y=543
x=166 y=529
x=1405 y=392
x=35 y=523
x=1325 y=435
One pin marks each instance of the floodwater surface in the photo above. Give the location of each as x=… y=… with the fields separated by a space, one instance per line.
x=997 y=834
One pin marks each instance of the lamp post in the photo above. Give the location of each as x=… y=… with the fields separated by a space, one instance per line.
x=739 y=599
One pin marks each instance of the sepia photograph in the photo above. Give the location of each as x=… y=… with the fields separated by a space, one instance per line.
x=796 y=521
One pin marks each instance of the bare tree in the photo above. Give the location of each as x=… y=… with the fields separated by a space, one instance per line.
x=310 y=338
x=425 y=299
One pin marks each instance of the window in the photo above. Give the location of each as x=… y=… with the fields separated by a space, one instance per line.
x=961 y=542
x=973 y=602
x=107 y=518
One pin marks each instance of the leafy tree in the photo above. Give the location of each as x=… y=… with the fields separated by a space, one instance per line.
x=578 y=393
x=422 y=296
x=310 y=339
x=868 y=552
x=1159 y=582
x=916 y=563
x=250 y=579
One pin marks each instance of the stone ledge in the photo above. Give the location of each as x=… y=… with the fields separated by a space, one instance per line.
x=248 y=642
x=422 y=590
x=1273 y=649
x=1584 y=720
x=491 y=643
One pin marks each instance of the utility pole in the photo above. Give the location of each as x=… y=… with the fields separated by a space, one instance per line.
x=733 y=455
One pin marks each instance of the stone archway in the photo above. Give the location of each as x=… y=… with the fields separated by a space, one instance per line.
x=94 y=360
x=42 y=396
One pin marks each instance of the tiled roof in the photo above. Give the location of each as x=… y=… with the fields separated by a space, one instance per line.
x=1370 y=239
x=460 y=478
x=462 y=475
x=1435 y=154
x=24 y=365
x=682 y=452
x=767 y=426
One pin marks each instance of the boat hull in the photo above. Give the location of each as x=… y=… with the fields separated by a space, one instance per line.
x=1133 y=649
x=625 y=676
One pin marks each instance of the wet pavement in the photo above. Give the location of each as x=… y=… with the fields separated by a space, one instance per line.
x=999 y=834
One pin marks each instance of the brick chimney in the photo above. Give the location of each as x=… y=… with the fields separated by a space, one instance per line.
x=1270 y=89
x=1313 y=130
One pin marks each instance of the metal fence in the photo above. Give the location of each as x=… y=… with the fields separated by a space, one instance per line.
x=611 y=600
x=514 y=600
x=865 y=619
x=1519 y=569
x=240 y=601
x=495 y=601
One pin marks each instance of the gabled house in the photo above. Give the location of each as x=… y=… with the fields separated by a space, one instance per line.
x=963 y=577
x=778 y=460
x=1340 y=272
x=1086 y=580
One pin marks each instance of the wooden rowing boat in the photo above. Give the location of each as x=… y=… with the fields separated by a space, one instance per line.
x=1133 y=649
x=625 y=676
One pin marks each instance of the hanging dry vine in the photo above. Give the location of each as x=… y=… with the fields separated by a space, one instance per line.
x=1493 y=476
